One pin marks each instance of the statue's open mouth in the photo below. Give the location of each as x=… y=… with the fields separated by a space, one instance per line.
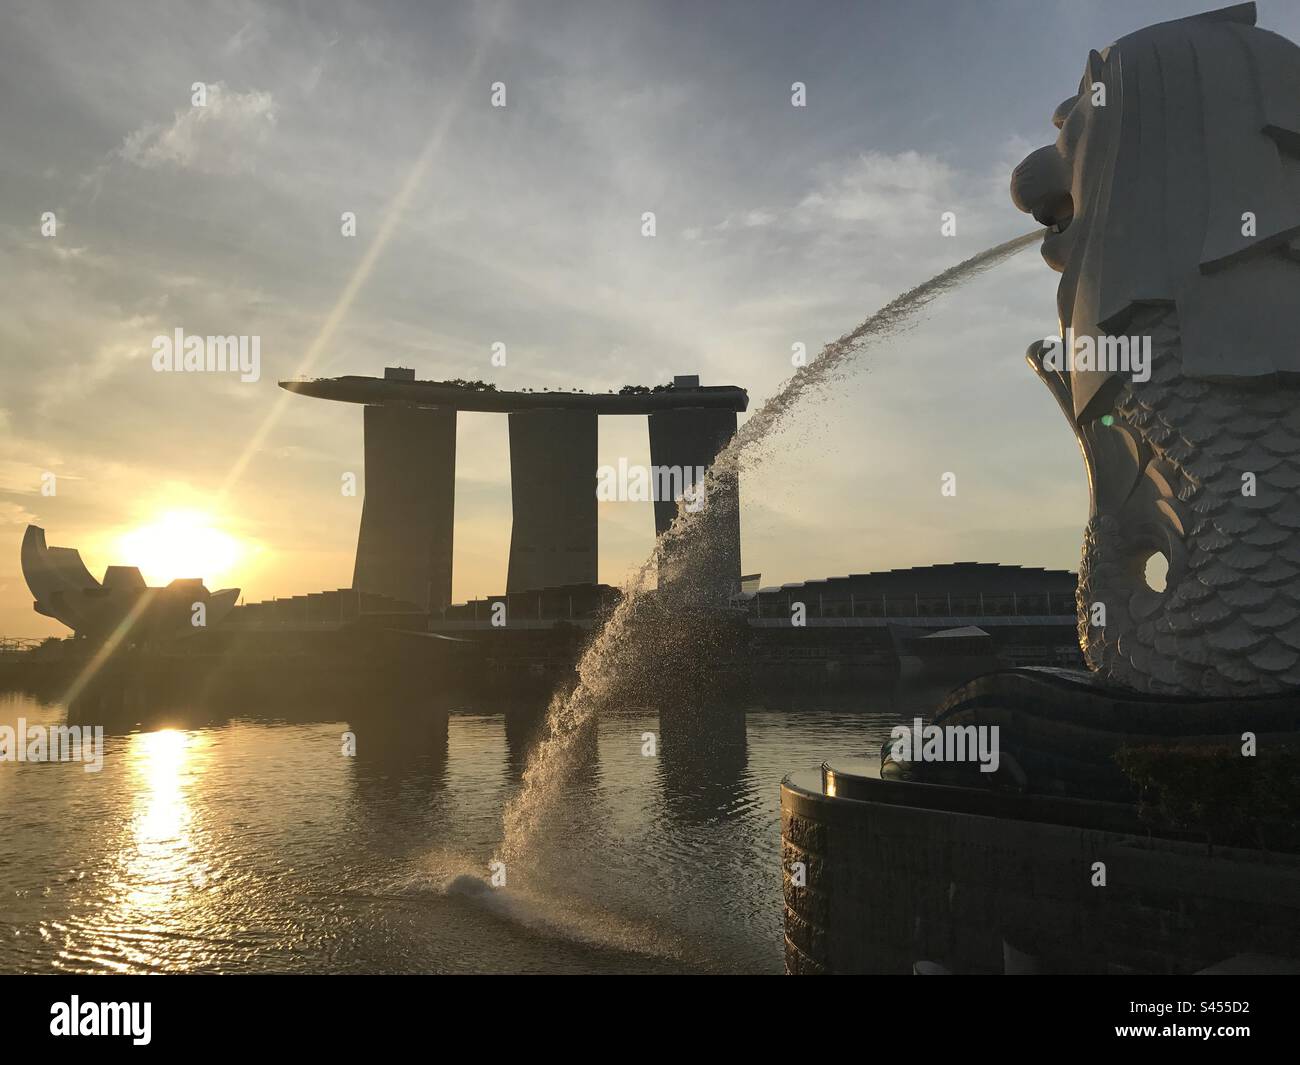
x=1041 y=185
x=1056 y=215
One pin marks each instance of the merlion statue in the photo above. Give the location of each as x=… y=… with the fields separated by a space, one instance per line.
x=1172 y=196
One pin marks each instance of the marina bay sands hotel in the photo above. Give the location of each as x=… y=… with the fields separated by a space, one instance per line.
x=404 y=549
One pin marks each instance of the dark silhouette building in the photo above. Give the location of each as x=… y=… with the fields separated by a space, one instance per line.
x=404 y=549
x=408 y=514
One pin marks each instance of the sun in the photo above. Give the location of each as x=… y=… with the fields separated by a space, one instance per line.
x=181 y=543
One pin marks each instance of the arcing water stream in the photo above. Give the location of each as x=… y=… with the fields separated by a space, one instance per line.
x=616 y=658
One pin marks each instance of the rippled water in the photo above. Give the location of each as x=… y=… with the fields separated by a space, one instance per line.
x=231 y=840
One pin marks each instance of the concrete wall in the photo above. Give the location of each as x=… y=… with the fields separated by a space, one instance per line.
x=553 y=539
x=888 y=885
x=689 y=438
x=404 y=549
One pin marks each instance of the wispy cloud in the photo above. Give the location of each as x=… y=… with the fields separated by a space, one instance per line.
x=890 y=193
x=221 y=136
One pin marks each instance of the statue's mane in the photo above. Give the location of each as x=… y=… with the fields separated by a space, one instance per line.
x=1201 y=125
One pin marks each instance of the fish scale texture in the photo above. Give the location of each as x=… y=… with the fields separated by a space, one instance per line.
x=1229 y=622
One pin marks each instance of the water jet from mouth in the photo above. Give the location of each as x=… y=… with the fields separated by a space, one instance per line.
x=617 y=658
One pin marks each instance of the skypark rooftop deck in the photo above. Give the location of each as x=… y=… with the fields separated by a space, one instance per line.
x=406 y=391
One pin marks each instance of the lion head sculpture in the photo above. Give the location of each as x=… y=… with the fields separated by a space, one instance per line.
x=1172 y=196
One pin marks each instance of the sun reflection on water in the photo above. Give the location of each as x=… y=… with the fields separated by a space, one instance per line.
x=159 y=859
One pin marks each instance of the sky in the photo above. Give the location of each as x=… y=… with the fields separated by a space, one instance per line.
x=775 y=225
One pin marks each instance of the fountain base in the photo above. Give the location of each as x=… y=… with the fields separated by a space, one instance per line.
x=1082 y=853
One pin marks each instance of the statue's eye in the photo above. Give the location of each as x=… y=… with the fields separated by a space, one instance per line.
x=1108 y=420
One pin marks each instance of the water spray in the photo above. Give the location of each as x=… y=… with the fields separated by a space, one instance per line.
x=611 y=656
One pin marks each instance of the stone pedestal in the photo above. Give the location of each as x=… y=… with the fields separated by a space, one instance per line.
x=1060 y=861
